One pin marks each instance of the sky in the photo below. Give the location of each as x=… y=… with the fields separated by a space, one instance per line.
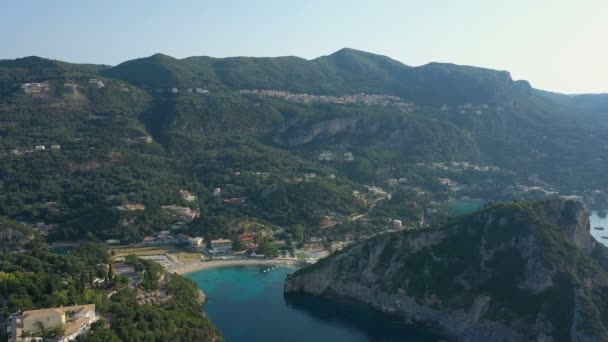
x=557 y=45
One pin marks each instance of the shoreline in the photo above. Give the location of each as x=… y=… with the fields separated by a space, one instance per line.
x=196 y=266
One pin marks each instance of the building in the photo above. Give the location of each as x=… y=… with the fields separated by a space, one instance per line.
x=55 y=147
x=235 y=201
x=39 y=148
x=72 y=320
x=34 y=88
x=184 y=213
x=197 y=242
x=96 y=83
x=131 y=207
x=348 y=156
x=187 y=195
x=397 y=224
x=326 y=155
x=221 y=246
x=247 y=237
x=173 y=90
x=201 y=91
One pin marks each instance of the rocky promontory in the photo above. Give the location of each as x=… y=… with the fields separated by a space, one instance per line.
x=509 y=272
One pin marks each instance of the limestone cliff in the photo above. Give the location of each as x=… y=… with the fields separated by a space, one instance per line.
x=510 y=272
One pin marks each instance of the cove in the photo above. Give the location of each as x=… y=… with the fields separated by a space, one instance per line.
x=247 y=304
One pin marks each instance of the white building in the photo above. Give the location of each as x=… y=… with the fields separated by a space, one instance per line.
x=197 y=242
x=221 y=246
x=72 y=320
x=39 y=148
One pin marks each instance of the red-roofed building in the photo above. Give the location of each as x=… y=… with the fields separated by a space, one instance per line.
x=247 y=237
x=235 y=201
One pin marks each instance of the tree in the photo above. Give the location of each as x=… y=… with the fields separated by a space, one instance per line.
x=237 y=244
x=298 y=233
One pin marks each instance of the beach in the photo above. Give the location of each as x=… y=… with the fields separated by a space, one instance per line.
x=202 y=265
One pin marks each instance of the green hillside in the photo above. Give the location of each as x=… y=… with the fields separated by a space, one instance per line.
x=131 y=140
x=516 y=271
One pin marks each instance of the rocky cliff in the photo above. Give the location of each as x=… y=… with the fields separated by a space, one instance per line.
x=510 y=272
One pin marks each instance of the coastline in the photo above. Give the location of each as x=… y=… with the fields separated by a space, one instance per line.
x=196 y=266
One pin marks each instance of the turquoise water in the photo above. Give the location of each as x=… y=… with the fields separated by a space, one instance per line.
x=597 y=221
x=462 y=207
x=247 y=304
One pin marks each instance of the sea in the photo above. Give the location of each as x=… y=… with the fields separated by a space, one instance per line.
x=247 y=304
x=596 y=220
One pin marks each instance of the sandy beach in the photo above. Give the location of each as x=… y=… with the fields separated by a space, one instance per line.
x=202 y=265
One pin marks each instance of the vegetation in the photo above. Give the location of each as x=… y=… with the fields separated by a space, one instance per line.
x=39 y=279
x=132 y=141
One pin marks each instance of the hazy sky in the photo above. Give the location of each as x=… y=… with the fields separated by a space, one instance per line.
x=558 y=45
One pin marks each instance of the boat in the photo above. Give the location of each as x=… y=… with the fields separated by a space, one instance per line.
x=599 y=228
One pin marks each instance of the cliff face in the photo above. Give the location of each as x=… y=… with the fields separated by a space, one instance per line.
x=511 y=272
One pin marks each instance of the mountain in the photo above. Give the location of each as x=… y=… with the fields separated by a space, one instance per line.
x=296 y=137
x=510 y=272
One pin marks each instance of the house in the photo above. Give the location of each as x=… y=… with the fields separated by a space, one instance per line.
x=187 y=195
x=148 y=240
x=197 y=242
x=173 y=90
x=39 y=147
x=221 y=246
x=201 y=90
x=397 y=224
x=132 y=207
x=96 y=83
x=247 y=237
x=235 y=201
x=184 y=213
x=72 y=320
x=392 y=182
x=326 y=155
x=112 y=242
x=217 y=191
x=55 y=147
x=348 y=156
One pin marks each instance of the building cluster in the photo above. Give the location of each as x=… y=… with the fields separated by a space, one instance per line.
x=71 y=321
x=35 y=88
x=460 y=166
x=21 y=151
x=330 y=156
x=474 y=109
x=190 y=90
x=361 y=99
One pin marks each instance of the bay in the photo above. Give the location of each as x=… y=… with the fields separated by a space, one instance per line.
x=247 y=304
